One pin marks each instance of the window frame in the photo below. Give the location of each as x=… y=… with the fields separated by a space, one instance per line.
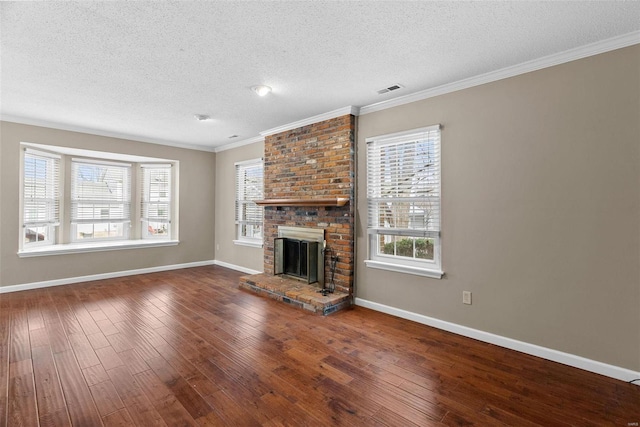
x=125 y=220
x=145 y=219
x=240 y=199
x=431 y=230
x=63 y=243
x=52 y=188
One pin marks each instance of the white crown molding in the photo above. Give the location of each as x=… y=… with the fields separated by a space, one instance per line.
x=72 y=128
x=315 y=119
x=592 y=49
x=611 y=371
x=239 y=144
x=79 y=279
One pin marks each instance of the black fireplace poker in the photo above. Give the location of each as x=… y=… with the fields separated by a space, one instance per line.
x=332 y=285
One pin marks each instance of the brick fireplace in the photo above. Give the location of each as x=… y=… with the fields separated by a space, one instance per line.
x=309 y=182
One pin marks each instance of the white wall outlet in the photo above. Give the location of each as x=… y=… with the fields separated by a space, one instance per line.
x=466 y=297
x=217 y=246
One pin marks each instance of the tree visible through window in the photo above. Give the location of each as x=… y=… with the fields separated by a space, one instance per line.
x=403 y=195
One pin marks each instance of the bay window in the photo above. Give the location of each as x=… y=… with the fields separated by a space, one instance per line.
x=76 y=200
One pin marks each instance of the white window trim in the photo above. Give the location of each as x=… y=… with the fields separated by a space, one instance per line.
x=52 y=226
x=426 y=268
x=243 y=240
x=398 y=264
x=126 y=221
x=78 y=248
x=400 y=268
x=144 y=233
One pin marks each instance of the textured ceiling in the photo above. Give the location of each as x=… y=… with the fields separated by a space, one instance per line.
x=143 y=69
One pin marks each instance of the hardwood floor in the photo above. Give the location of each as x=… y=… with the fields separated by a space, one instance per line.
x=187 y=347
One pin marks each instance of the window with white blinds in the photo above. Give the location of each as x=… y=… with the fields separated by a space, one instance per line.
x=75 y=200
x=41 y=197
x=155 y=198
x=249 y=187
x=403 y=197
x=100 y=200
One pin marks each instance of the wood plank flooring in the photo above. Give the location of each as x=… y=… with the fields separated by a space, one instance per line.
x=188 y=348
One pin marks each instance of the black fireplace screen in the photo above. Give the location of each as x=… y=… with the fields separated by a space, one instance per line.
x=297 y=258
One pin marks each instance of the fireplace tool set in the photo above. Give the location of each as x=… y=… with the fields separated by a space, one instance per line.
x=332 y=285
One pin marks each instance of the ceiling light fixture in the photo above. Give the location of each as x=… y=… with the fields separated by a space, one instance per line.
x=202 y=117
x=261 y=90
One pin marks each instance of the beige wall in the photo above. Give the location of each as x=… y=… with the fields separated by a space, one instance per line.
x=541 y=208
x=226 y=251
x=196 y=189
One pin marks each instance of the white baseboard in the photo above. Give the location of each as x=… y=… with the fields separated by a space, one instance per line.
x=611 y=371
x=79 y=279
x=236 y=267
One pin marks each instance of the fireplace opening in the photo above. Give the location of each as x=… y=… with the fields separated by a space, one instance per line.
x=299 y=253
x=297 y=258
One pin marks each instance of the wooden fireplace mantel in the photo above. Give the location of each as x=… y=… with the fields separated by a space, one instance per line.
x=315 y=201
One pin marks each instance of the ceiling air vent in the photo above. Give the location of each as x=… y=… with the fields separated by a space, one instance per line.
x=390 y=89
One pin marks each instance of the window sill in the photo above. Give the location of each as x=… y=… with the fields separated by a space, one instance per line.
x=398 y=268
x=257 y=244
x=78 y=248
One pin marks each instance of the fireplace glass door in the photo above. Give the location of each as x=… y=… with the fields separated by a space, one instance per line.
x=297 y=258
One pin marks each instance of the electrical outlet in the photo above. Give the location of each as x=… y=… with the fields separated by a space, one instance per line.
x=217 y=246
x=466 y=297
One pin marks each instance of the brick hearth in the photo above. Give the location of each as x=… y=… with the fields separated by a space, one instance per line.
x=296 y=293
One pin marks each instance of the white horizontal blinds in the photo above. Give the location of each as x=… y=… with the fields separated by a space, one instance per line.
x=41 y=189
x=155 y=196
x=249 y=188
x=100 y=192
x=403 y=183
